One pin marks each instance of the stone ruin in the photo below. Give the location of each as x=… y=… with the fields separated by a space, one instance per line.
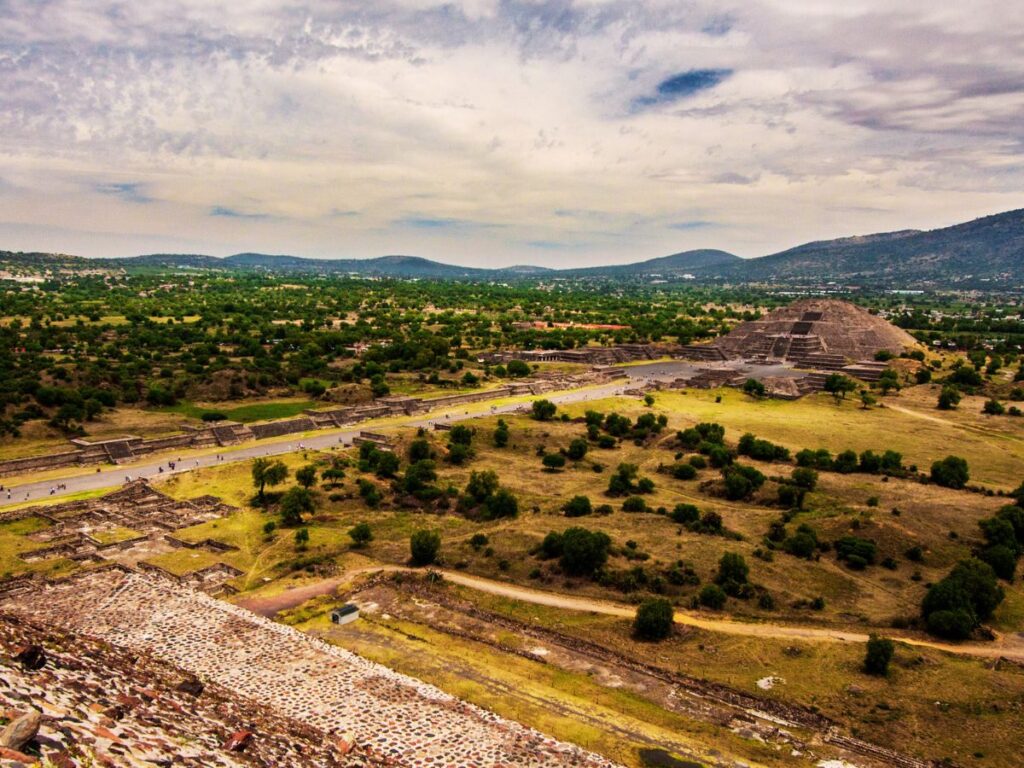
x=126 y=526
x=104 y=705
x=304 y=686
x=818 y=334
x=121 y=450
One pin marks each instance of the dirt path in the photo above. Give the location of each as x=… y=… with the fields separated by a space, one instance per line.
x=1007 y=646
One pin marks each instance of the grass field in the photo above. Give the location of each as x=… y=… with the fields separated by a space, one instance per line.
x=259 y=411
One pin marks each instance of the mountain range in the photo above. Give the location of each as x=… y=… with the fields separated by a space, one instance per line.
x=982 y=252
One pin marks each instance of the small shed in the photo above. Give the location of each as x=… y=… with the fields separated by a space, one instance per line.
x=346 y=614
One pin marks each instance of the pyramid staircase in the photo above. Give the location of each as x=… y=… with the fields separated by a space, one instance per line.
x=232 y=433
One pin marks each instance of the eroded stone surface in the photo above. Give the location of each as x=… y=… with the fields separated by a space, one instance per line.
x=387 y=715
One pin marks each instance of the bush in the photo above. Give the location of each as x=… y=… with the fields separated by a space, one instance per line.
x=732 y=570
x=553 y=462
x=878 y=655
x=634 y=504
x=478 y=541
x=424 y=547
x=685 y=514
x=684 y=471
x=551 y=546
x=712 y=596
x=951 y=472
x=967 y=595
x=360 y=534
x=502 y=504
x=583 y=551
x=577 y=449
x=577 y=506
x=295 y=503
x=653 y=620
x=213 y=416
x=762 y=450
x=1001 y=559
x=857 y=552
x=543 y=410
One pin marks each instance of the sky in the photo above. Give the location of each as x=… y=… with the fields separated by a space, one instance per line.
x=500 y=132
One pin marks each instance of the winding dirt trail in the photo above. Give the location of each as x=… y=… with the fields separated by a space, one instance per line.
x=1005 y=646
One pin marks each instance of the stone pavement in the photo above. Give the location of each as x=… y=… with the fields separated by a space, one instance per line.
x=389 y=716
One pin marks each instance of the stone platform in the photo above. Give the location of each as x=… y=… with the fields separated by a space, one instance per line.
x=389 y=716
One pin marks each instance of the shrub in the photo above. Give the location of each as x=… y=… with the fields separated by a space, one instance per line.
x=577 y=449
x=634 y=504
x=543 y=410
x=360 y=534
x=478 y=541
x=577 y=506
x=502 y=504
x=683 y=471
x=685 y=514
x=553 y=462
x=967 y=596
x=857 y=552
x=424 y=546
x=653 y=619
x=584 y=551
x=712 y=596
x=877 y=655
x=551 y=546
x=951 y=472
x=294 y=504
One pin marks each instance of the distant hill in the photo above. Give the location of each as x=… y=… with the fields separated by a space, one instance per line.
x=985 y=251
x=990 y=248
x=701 y=262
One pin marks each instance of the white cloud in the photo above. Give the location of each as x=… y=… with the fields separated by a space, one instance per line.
x=531 y=118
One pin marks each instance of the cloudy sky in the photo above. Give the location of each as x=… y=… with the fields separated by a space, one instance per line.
x=494 y=132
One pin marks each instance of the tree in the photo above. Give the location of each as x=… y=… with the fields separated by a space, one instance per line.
x=517 y=369
x=805 y=477
x=951 y=472
x=838 y=385
x=301 y=538
x=419 y=450
x=958 y=603
x=360 y=534
x=306 y=476
x=502 y=504
x=754 y=388
x=501 y=434
x=460 y=434
x=653 y=619
x=458 y=453
x=583 y=551
x=424 y=546
x=482 y=485
x=993 y=407
x=267 y=472
x=387 y=464
x=888 y=380
x=553 y=462
x=296 y=502
x=577 y=449
x=877 y=655
x=543 y=410
x=577 y=506
x=867 y=399
x=732 y=571
x=949 y=398
x=712 y=596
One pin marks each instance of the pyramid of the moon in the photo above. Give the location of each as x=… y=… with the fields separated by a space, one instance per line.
x=815 y=328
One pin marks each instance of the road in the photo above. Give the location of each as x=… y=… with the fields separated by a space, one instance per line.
x=1007 y=646
x=106 y=477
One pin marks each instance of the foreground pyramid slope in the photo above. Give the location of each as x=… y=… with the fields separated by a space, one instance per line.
x=389 y=718
x=812 y=331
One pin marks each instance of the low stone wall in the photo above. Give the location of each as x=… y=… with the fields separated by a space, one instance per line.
x=116 y=451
